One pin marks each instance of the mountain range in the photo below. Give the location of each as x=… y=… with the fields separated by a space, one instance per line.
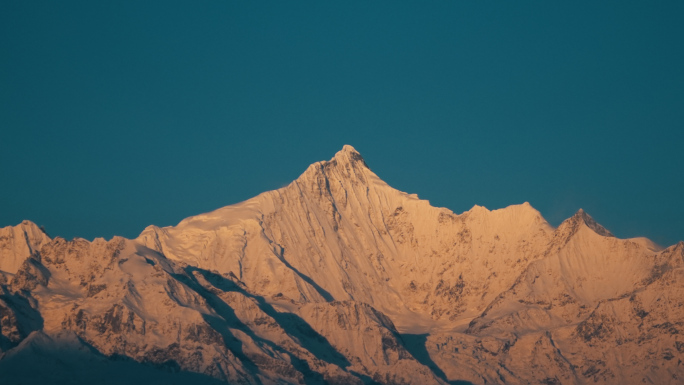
x=339 y=278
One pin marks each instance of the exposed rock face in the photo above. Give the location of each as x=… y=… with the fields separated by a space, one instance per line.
x=338 y=278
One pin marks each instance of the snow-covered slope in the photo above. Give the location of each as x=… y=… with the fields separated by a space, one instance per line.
x=339 y=278
x=338 y=232
x=17 y=243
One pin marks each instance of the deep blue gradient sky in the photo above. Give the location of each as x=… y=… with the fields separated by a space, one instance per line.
x=117 y=115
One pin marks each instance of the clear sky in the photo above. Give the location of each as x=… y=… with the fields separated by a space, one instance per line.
x=117 y=115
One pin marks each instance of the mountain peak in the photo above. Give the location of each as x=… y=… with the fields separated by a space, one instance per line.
x=17 y=243
x=347 y=163
x=348 y=154
x=582 y=217
x=349 y=148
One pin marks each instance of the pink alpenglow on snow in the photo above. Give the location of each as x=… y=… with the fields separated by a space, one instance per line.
x=340 y=278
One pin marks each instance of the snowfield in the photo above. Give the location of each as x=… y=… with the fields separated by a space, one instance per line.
x=339 y=278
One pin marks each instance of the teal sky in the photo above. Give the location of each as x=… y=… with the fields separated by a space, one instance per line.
x=117 y=115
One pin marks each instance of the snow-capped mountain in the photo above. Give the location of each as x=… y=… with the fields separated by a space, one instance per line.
x=339 y=278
